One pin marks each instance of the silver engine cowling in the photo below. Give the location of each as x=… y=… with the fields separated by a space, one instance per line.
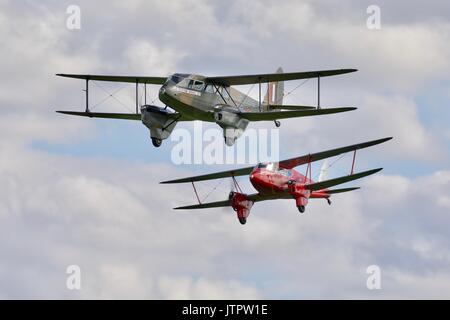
x=159 y=121
x=231 y=122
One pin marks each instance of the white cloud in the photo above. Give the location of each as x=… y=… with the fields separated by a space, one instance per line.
x=147 y=58
x=399 y=57
x=377 y=116
x=114 y=219
x=187 y=288
x=119 y=228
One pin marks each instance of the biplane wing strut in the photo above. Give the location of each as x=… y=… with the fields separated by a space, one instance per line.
x=132 y=79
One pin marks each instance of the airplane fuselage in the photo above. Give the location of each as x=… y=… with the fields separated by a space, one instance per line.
x=195 y=99
x=192 y=97
x=271 y=180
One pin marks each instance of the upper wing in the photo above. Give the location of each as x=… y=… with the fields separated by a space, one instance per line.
x=274 y=77
x=333 y=182
x=217 y=175
x=287 y=164
x=133 y=79
x=124 y=116
x=276 y=115
x=293 y=162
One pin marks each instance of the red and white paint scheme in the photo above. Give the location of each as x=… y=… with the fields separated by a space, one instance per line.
x=278 y=180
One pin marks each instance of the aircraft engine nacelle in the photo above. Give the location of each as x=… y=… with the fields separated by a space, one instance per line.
x=232 y=123
x=299 y=192
x=159 y=121
x=241 y=204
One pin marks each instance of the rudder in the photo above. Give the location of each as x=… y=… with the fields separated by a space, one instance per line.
x=275 y=92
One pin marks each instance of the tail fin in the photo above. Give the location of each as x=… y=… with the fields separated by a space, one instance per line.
x=324 y=171
x=275 y=92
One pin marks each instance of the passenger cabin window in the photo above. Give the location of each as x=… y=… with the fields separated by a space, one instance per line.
x=195 y=85
x=210 y=89
x=192 y=84
x=198 y=85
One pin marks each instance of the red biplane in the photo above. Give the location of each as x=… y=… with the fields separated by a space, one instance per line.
x=281 y=181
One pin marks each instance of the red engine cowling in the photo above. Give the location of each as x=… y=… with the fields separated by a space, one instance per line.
x=300 y=194
x=241 y=204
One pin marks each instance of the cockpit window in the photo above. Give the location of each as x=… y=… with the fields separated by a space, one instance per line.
x=176 y=78
x=272 y=166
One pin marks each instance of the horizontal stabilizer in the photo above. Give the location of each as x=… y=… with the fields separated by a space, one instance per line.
x=289 y=107
x=333 y=182
x=334 y=191
x=276 y=115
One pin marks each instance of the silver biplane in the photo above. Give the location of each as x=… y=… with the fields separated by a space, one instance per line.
x=189 y=97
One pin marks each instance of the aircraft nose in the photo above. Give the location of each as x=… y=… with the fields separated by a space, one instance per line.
x=166 y=91
x=255 y=177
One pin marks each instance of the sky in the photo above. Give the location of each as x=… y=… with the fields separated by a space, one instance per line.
x=86 y=192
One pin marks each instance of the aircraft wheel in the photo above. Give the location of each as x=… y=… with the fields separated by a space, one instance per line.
x=243 y=221
x=277 y=123
x=301 y=209
x=156 y=142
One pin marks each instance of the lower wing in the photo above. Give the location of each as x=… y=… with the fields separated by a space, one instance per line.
x=257 y=197
x=276 y=115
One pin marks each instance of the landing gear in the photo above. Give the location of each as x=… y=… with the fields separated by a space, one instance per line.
x=229 y=141
x=243 y=221
x=329 y=201
x=301 y=209
x=277 y=123
x=156 y=142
